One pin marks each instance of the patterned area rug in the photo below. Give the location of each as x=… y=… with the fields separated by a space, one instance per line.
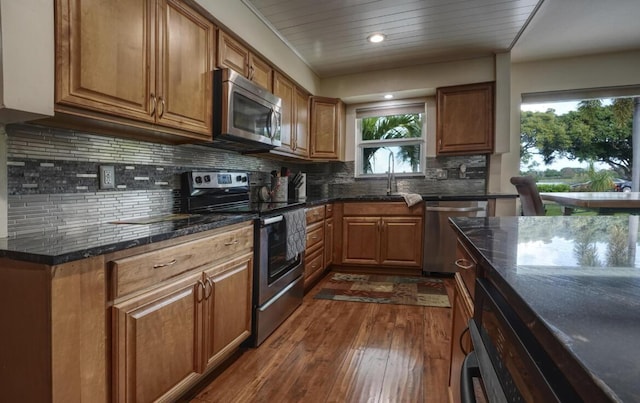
x=385 y=290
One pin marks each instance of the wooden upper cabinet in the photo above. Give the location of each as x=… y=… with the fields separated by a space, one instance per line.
x=105 y=59
x=465 y=119
x=301 y=123
x=284 y=89
x=326 y=128
x=234 y=55
x=260 y=72
x=185 y=65
x=150 y=61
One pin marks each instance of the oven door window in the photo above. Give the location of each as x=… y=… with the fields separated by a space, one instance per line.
x=251 y=116
x=278 y=263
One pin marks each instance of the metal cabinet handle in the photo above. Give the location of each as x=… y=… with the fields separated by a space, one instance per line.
x=210 y=282
x=155 y=104
x=314 y=237
x=160 y=265
x=251 y=72
x=199 y=295
x=163 y=105
x=234 y=242
x=462 y=263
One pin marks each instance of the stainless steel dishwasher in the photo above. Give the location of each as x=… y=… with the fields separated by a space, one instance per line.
x=439 y=239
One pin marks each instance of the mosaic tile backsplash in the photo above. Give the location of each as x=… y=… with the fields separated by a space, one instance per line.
x=53 y=177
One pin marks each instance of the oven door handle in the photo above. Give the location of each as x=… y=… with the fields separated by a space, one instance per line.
x=470 y=370
x=271 y=220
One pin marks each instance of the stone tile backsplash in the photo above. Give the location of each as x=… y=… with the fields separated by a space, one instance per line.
x=53 y=177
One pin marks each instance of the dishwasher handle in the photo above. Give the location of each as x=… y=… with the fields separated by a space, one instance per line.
x=455 y=209
x=470 y=370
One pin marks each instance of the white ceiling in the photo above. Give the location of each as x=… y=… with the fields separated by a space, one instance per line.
x=330 y=36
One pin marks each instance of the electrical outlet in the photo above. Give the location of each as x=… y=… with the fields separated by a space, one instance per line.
x=441 y=174
x=107 y=177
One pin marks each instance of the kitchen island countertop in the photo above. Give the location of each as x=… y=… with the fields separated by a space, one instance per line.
x=580 y=280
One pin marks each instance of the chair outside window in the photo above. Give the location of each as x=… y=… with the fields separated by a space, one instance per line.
x=529 y=196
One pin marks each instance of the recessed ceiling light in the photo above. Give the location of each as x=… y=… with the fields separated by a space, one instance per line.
x=376 y=38
x=388 y=96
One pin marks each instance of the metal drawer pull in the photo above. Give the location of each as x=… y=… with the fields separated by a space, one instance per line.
x=171 y=263
x=461 y=263
x=231 y=243
x=314 y=237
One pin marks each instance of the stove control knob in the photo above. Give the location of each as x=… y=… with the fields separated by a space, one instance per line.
x=198 y=179
x=207 y=178
x=239 y=178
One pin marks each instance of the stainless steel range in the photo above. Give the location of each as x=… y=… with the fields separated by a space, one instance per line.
x=278 y=258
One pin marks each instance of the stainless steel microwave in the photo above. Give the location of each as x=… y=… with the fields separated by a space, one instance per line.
x=246 y=117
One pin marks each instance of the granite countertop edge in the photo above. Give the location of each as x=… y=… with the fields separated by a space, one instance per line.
x=53 y=255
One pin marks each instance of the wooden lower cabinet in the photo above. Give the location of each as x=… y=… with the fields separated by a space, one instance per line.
x=156 y=337
x=166 y=338
x=460 y=339
x=361 y=240
x=227 y=324
x=386 y=241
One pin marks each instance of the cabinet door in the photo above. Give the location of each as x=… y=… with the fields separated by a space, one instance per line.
x=302 y=123
x=185 y=66
x=325 y=128
x=232 y=54
x=284 y=89
x=155 y=339
x=228 y=307
x=105 y=56
x=465 y=119
x=260 y=72
x=462 y=312
x=328 y=242
x=401 y=241
x=361 y=240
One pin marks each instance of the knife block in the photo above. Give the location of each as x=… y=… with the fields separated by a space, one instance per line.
x=299 y=193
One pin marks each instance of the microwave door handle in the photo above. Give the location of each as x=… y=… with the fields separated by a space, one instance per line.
x=271 y=125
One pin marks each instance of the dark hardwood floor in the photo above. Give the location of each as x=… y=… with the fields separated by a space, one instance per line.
x=337 y=351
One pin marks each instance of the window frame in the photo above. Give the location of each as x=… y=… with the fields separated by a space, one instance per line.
x=360 y=144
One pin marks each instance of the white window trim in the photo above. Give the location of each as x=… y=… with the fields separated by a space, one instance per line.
x=360 y=144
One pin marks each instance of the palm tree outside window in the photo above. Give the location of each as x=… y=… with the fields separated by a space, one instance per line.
x=380 y=131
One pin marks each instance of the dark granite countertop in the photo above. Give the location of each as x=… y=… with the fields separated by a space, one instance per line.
x=312 y=201
x=574 y=274
x=69 y=244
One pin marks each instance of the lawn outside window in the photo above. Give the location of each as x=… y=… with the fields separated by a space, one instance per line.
x=399 y=130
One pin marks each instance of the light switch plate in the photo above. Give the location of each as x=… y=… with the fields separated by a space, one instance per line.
x=441 y=174
x=107 y=177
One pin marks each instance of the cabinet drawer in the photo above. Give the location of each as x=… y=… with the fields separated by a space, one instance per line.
x=315 y=214
x=146 y=269
x=467 y=267
x=315 y=235
x=313 y=263
x=382 y=209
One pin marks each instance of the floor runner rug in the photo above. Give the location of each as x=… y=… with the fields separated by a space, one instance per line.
x=385 y=290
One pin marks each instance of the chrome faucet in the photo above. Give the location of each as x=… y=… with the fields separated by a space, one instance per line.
x=390 y=172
